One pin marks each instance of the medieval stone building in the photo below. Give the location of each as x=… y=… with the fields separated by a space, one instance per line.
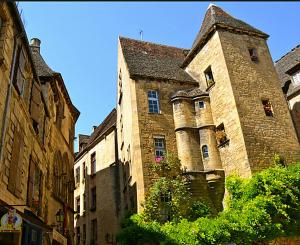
x=288 y=69
x=37 y=121
x=97 y=193
x=218 y=106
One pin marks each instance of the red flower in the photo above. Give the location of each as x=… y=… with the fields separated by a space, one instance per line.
x=158 y=159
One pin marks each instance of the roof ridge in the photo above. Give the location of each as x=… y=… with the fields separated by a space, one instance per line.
x=293 y=49
x=157 y=44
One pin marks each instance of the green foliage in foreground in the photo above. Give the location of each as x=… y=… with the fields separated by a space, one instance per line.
x=259 y=209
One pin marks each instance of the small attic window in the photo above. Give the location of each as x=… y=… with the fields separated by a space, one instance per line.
x=253 y=54
x=268 y=108
x=201 y=104
x=209 y=77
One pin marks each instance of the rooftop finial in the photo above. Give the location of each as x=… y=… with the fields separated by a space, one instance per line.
x=141 y=35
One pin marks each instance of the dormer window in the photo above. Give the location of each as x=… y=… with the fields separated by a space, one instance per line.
x=209 y=77
x=253 y=54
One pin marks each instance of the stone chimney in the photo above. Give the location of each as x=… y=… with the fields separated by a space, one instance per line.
x=94 y=127
x=35 y=44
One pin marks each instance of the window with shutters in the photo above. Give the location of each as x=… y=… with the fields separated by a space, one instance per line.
x=35 y=105
x=84 y=233
x=35 y=187
x=16 y=164
x=93 y=199
x=93 y=164
x=19 y=71
x=77 y=175
x=60 y=110
x=94 y=231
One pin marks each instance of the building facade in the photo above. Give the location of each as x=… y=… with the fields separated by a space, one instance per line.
x=37 y=133
x=288 y=69
x=97 y=193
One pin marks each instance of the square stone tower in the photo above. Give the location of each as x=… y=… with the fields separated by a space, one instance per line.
x=231 y=61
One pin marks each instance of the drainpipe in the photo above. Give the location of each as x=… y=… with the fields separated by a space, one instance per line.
x=8 y=95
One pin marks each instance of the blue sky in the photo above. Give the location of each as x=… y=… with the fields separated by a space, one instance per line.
x=79 y=39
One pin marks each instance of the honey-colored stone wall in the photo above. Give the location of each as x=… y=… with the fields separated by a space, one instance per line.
x=223 y=105
x=188 y=149
x=294 y=105
x=151 y=124
x=251 y=83
x=104 y=180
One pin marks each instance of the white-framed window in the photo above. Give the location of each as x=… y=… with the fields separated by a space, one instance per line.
x=153 y=101
x=159 y=144
x=296 y=78
x=205 y=151
x=93 y=163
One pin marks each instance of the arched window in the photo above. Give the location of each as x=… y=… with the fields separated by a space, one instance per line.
x=205 y=151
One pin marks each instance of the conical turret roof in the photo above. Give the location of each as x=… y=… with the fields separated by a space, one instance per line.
x=217 y=17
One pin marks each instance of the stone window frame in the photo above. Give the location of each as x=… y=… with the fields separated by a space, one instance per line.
x=177 y=104
x=83 y=171
x=268 y=107
x=153 y=101
x=209 y=77
x=84 y=233
x=93 y=198
x=94 y=231
x=93 y=163
x=77 y=204
x=159 y=147
x=77 y=232
x=253 y=54
x=77 y=175
x=201 y=102
x=205 y=151
x=221 y=135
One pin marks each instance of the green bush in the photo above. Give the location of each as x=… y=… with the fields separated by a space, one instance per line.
x=261 y=208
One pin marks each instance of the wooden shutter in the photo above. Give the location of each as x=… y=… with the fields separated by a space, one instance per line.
x=20 y=168
x=30 y=182
x=41 y=193
x=35 y=102
x=15 y=159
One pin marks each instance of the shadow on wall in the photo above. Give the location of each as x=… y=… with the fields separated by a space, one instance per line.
x=108 y=195
x=295 y=112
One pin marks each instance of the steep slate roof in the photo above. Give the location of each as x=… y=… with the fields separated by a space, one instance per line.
x=42 y=68
x=284 y=65
x=150 y=60
x=217 y=17
x=286 y=62
x=107 y=124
